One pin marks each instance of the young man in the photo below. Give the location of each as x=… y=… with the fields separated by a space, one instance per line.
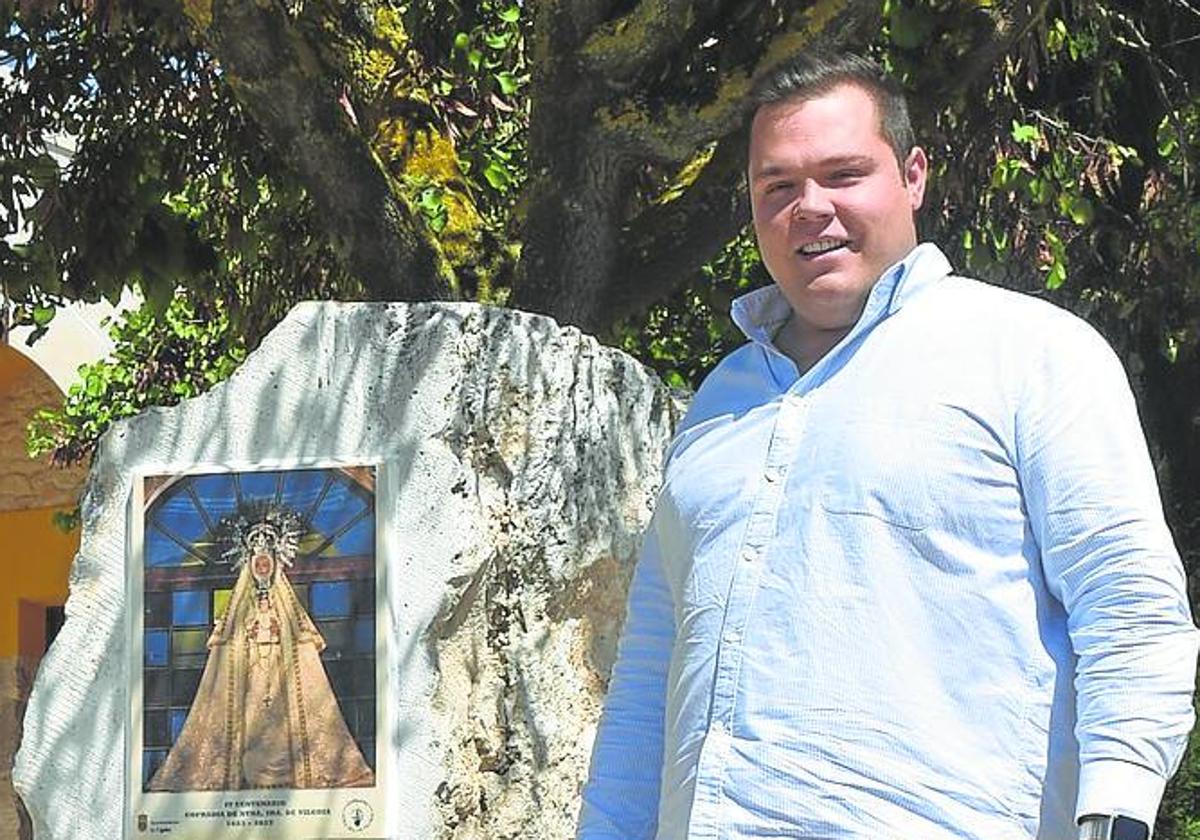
x=908 y=577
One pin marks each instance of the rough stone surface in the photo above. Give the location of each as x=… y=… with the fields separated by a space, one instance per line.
x=31 y=483
x=528 y=457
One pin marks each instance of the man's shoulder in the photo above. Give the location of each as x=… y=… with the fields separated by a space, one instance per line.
x=740 y=380
x=979 y=305
x=1005 y=302
x=743 y=374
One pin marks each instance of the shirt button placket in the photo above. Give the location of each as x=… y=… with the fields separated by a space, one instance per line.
x=746 y=575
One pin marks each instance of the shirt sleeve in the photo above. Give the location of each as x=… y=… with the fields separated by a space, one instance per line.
x=620 y=799
x=1108 y=556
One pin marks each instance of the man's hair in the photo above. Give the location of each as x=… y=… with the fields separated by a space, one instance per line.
x=814 y=73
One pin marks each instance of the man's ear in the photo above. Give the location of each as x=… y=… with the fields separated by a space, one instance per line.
x=914 y=172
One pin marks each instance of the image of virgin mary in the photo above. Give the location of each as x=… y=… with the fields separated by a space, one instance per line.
x=264 y=714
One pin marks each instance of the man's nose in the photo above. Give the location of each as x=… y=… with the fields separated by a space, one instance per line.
x=812 y=203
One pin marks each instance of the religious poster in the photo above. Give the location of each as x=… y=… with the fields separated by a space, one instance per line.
x=257 y=682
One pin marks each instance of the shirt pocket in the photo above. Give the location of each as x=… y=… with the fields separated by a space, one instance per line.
x=878 y=468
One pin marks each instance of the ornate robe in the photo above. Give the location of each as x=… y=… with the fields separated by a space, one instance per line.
x=264 y=715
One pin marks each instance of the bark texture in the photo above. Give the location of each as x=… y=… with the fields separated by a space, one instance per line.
x=599 y=244
x=279 y=78
x=636 y=153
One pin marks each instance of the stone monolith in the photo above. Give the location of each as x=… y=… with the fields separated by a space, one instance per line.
x=526 y=458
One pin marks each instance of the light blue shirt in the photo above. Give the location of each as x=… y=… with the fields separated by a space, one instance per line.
x=923 y=591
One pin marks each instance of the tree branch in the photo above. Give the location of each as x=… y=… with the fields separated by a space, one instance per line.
x=674 y=135
x=1012 y=21
x=276 y=76
x=666 y=244
x=625 y=50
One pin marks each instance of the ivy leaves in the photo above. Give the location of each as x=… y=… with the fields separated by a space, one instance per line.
x=158 y=360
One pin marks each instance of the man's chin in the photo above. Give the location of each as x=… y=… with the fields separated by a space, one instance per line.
x=835 y=282
x=830 y=300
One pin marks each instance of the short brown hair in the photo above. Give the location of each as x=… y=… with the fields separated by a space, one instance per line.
x=814 y=72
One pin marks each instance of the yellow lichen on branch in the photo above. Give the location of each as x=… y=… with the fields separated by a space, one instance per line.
x=380 y=61
x=419 y=151
x=816 y=21
x=423 y=159
x=686 y=176
x=199 y=12
x=622 y=47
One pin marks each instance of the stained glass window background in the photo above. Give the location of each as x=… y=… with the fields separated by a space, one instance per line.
x=188 y=583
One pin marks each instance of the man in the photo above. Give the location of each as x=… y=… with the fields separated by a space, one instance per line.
x=908 y=577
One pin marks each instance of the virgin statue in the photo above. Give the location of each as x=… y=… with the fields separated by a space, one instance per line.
x=264 y=715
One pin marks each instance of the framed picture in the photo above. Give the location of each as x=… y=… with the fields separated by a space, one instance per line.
x=257 y=681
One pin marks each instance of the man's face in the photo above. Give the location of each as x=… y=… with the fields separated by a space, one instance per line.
x=832 y=208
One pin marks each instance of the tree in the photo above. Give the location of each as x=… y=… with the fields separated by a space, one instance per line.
x=578 y=158
x=633 y=140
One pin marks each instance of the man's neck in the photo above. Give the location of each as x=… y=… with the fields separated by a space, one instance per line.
x=804 y=344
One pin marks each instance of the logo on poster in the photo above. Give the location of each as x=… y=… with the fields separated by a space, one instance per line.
x=357 y=815
x=143 y=821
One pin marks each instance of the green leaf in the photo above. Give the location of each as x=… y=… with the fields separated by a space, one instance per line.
x=1078 y=209
x=508 y=83
x=1057 y=276
x=1056 y=36
x=1168 y=139
x=497 y=40
x=66 y=521
x=461 y=41
x=43 y=315
x=1024 y=133
x=1041 y=190
x=474 y=58
x=511 y=14
x=497 y=175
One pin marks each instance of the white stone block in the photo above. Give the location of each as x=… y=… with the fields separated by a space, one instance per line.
x=527 y=457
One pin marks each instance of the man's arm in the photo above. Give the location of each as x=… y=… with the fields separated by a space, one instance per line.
x=620 y=800
x=1094 y=506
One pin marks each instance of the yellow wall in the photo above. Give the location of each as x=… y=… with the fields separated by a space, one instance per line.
x=35 y=557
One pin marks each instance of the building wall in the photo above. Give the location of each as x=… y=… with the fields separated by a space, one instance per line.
x=35 y=557
x=24 y=482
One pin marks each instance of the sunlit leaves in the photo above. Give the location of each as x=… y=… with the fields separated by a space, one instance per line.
x=482 y=89
x=168 y=187
x=159 y=359
x=429 y=199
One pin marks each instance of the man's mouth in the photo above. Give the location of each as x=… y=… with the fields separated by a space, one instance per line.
x=821 y=246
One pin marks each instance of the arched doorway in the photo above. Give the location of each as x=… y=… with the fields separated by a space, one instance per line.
x=35 y=557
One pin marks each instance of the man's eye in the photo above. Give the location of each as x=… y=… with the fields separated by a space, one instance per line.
x=847 y=174
x=777 y=187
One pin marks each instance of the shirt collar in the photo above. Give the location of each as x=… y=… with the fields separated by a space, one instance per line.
x=760 y=314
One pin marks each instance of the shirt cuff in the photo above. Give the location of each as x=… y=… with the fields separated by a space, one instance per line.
x=1110 y=786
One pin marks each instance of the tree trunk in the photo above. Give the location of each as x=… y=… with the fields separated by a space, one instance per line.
x=277 y=77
